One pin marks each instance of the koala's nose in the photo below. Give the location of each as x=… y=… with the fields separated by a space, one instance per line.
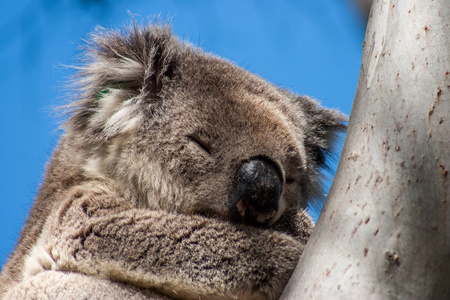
x=258 y=190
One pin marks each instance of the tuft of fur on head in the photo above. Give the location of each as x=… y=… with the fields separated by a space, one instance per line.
x=120 y=70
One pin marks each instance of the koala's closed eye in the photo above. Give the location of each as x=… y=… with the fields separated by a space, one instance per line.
x=201 y=143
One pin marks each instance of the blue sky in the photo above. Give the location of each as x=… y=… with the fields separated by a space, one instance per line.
x=311 y=47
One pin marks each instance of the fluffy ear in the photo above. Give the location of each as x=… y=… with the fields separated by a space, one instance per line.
x=323 y=125
x=122 y=71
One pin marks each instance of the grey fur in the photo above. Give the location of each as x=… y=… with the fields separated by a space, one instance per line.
x=136 y=198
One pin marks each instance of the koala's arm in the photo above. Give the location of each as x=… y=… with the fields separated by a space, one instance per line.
x=96 y=232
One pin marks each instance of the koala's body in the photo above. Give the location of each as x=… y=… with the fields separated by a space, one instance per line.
x=179 y=175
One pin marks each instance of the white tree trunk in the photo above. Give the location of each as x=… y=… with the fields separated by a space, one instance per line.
x=384 y=232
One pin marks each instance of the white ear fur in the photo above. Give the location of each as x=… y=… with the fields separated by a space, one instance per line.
x=126 y=119
x=118 y=112
x=120 y=72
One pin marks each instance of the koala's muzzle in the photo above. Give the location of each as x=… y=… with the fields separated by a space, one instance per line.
x=258 y=190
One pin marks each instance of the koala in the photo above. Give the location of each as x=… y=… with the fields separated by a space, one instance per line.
x=179 y=176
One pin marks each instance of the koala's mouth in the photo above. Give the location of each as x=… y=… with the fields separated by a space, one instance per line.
x=260 y=217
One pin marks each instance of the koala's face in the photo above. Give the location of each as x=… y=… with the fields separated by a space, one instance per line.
x=209 y=130
x=209 y=138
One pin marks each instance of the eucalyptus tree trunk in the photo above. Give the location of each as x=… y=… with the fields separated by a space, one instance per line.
x=384 y=232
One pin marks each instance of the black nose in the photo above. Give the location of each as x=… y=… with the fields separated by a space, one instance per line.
x=258 y=190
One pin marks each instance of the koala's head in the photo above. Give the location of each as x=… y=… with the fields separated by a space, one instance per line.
x=181 y=130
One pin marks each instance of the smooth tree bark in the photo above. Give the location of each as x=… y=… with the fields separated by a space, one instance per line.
x=384 y=232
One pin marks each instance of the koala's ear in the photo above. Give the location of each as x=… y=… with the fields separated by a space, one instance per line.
x=322 y=128
x=122 y=71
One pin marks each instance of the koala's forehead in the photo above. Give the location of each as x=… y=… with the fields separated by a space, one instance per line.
x=206 y=75
x=214 y=88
